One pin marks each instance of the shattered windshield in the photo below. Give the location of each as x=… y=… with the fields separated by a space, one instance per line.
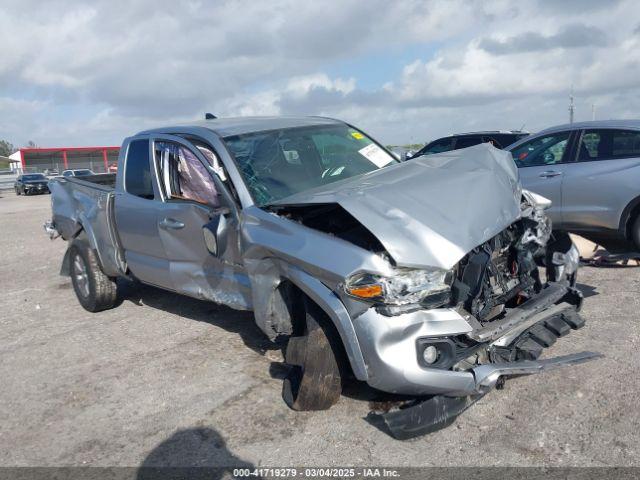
x=280 y=163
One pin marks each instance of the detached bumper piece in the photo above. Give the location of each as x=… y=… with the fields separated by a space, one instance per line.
x=427 y=416
x=435 y=413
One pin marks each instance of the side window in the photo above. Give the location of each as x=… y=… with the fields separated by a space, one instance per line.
x=183 y=176
x=625 y=143
x=493 y=141
x=464 y=142
x=137 y=172
x=442 y=145
x=546 y=150
x=592 y=145
x=608 y=144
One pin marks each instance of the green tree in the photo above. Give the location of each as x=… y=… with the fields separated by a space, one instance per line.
x=6 y=148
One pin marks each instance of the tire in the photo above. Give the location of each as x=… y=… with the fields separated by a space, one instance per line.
x=95 y=290
x=315 y=356
x=635 y=232
x=17 y=191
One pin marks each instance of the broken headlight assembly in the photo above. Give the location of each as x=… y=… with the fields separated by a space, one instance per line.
x=405 y=289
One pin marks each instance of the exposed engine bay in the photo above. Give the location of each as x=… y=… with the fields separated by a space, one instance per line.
x=502 y=273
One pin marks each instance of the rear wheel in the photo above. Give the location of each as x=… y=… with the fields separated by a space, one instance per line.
x=315 y=355
x=95 y=290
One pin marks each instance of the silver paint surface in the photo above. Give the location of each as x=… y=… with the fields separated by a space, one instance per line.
x=430 y=211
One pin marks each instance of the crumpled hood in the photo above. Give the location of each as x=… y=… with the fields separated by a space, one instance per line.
x=432 y=210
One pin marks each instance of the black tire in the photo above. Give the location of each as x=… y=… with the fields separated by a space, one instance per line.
x=635 y=232
x=17 y=191
x=95 y=290
x=315 y=356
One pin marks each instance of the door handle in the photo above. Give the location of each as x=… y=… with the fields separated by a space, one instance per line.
x=550 y=173
x=170 y=223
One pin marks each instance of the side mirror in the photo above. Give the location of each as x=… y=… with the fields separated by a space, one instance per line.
x=215 y=232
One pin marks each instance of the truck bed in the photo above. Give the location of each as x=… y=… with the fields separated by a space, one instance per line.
x=83 y=206
x=103 y=179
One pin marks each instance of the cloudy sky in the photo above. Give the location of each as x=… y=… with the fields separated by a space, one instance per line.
x=92 y=72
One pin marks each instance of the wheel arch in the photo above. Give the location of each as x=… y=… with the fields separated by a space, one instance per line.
x=80 y=234
x=269 y=279
x=629 y=213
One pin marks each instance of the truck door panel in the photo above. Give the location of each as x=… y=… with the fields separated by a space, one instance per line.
x=194 y=270
x=136 y=218
x=604 y=179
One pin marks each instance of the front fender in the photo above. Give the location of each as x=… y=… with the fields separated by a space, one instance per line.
x=267 y=274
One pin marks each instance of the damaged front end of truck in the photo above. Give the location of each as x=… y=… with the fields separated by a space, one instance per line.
x=470 y=286
x=514 y=310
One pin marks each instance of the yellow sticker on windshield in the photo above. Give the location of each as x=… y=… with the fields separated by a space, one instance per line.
x=357 y=135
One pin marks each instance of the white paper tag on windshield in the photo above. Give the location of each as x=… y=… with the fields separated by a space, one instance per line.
x=376 y=155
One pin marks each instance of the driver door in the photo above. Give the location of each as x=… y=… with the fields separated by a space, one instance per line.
x=195 y=199
x=542 y=163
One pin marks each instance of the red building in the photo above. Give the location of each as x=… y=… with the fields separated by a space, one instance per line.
x=98 y=159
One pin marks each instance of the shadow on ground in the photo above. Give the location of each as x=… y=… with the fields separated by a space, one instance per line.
x=587 y=290
x=191 y=453
x=234 y=321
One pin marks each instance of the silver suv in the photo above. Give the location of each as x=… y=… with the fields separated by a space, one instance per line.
x=591 y=172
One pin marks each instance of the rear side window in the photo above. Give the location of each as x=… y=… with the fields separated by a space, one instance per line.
x=626 y=143
x=464 y=142
x=608 y=144
x=137 y=173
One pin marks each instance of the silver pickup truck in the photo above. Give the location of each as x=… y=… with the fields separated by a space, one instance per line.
x=431 y=280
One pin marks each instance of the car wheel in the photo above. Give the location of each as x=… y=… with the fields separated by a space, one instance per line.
x=314 y=381
x=635 y=232
x=17 y=191
x=95 y=290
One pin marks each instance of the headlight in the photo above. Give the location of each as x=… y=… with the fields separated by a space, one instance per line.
x=407 y=286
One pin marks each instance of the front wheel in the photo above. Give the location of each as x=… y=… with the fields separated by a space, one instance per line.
x=315 y=357
x=17 y=191
x=95 y=290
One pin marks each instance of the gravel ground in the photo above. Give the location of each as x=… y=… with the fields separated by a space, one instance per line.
x=167 y=380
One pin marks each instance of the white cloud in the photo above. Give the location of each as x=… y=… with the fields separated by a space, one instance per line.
x=74 y=72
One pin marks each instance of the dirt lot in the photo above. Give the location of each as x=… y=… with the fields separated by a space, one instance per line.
x=163 y=379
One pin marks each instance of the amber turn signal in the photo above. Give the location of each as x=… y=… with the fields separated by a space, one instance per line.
x=365 y=291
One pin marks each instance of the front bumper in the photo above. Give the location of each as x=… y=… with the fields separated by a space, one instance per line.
x=390 y=344
x=435 y=413
x=36 y=188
